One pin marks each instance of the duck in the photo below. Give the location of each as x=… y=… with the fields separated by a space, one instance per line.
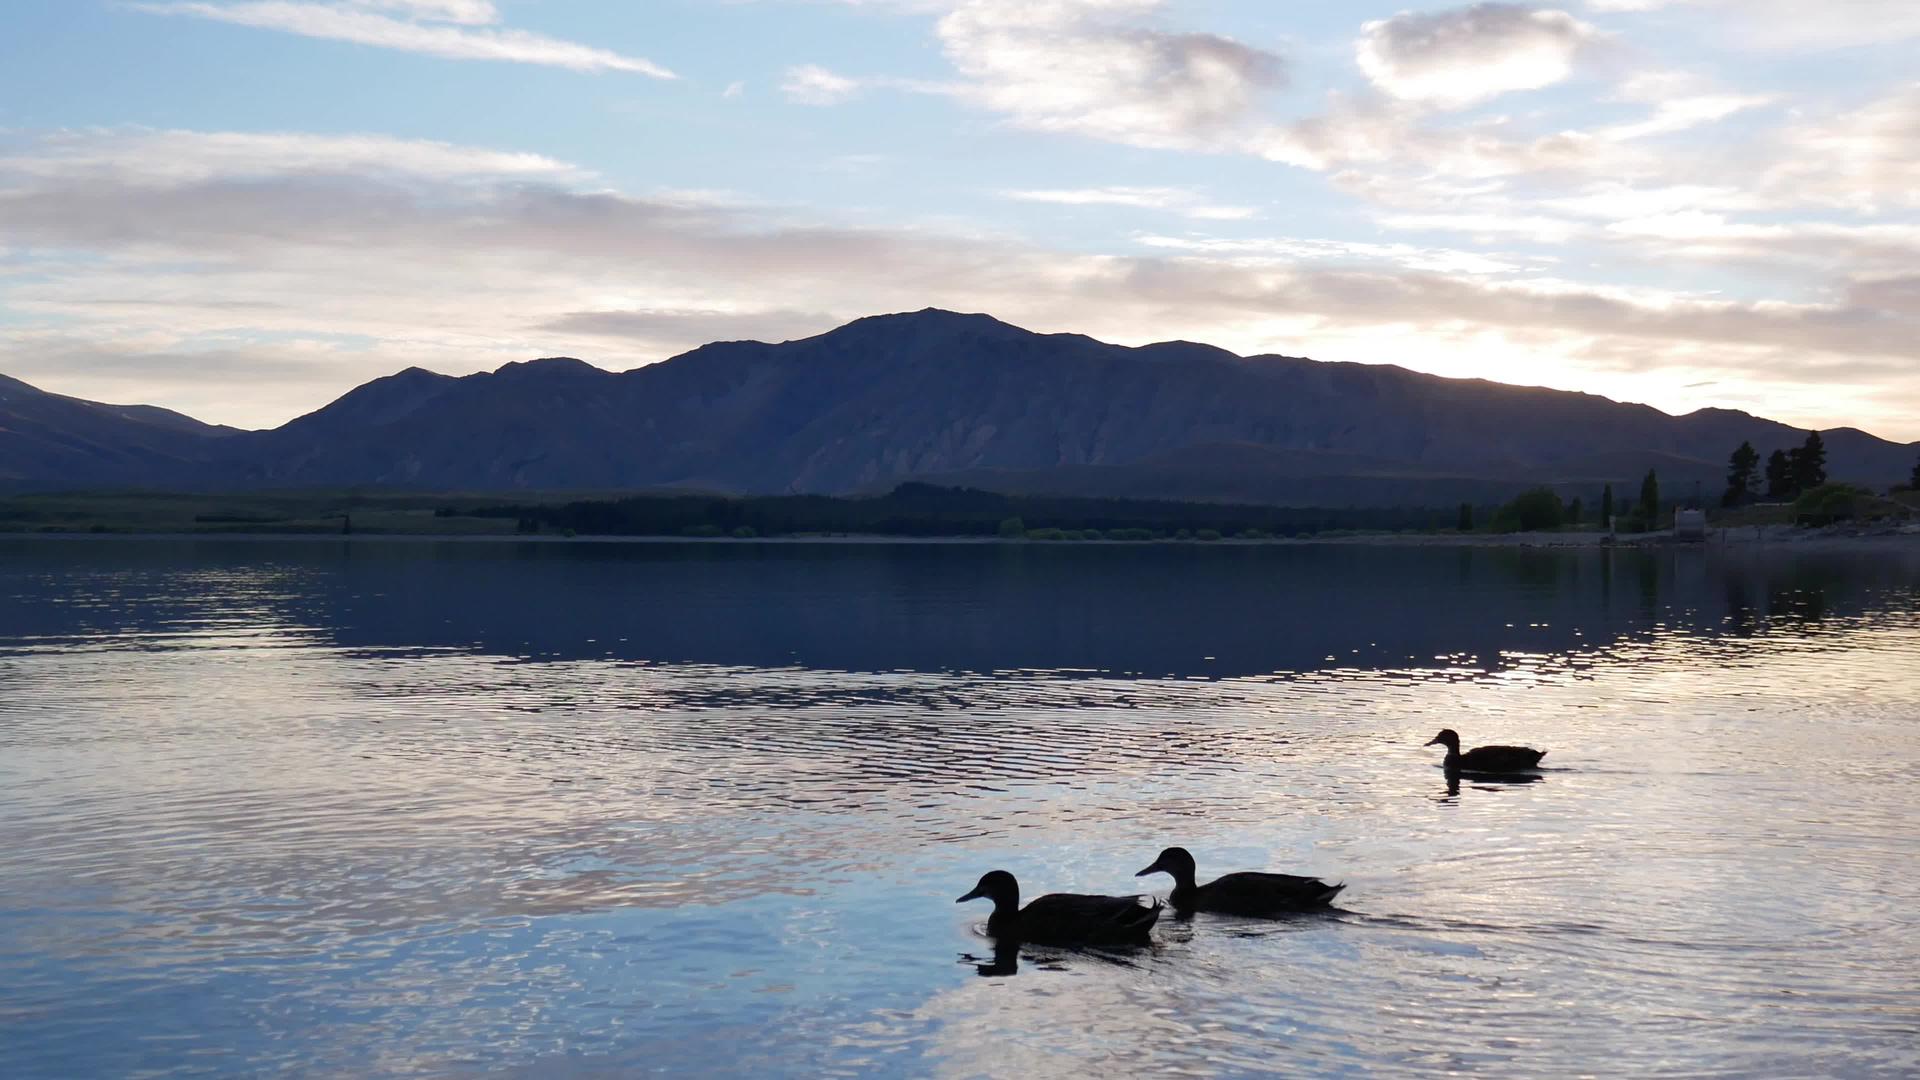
x=1249 y=893
x=1062 y=918
x=1485 y=759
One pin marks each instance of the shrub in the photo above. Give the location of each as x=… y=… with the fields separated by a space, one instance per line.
x=1012 y=529
x=1530 y=510
x=1828 y=503
x=1207 y=534
x=702 y=530
x=1046 y=534
x=745 y=532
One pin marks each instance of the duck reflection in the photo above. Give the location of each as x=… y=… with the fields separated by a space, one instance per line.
x=1004 y=961
x=1484 y=782
x=1008 y=953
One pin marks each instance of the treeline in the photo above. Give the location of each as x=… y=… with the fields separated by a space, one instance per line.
x=1543 y=508
x=1799 y=475
x=916 y=509
x=1789 y=474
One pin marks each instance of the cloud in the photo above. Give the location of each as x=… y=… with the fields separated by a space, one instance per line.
x=1089 y=67
x=1704 y=236
x=1615 y=201
x=667 y=328
x=810 y=84
x=1172 y=200
x=1508 y=225
x=1682 y=114
x=464 y=12
x=453 y=29
x=1792 y=25
x=1461 y=56
x=1105 y=69
x=458 y=267
x=1865 y=159
x=1291 y=250
x=159 y=158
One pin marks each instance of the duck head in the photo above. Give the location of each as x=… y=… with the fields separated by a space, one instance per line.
x=1447 y=738
x=999 y=887
x=1176 y=861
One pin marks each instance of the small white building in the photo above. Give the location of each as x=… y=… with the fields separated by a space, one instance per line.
x=1690 y=524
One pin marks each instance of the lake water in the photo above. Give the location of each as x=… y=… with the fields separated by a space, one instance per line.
x=390 y=808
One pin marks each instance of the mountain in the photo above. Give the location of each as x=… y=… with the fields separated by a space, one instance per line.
x=952 y=398
x=49 y=439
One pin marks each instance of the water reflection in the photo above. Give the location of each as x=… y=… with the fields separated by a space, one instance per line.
x=1485 y=782
x=419 y=809
x=1149 y=610
x=1004 y=961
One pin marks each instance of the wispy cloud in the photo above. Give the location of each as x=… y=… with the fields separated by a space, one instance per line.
x=169 y=158
x=1172 y=200
x=1792 y=25
x=467 y=12
x=1866 y=159
x=1292 y=250
x=811 y=84
x=454 y=29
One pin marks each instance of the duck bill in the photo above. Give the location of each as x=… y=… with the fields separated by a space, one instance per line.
x=974 y=895
x=1156 y=868
x=1431 y=741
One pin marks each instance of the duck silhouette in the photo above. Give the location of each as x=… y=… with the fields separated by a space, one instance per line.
x=1063 y=918
x=1485 y=759
x=1252 y=893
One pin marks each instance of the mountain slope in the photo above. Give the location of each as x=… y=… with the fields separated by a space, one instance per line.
x=966 y=398
x=53 y=439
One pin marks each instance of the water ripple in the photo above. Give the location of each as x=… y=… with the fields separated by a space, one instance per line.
x=294 y=809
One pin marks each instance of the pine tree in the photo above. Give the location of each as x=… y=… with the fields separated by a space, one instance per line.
x=1740 y=475
x=1606 y=506
x=1575 y=511
x=1465 y=523
x=1810 y=463
x=1650 y=499
x=1779 y=475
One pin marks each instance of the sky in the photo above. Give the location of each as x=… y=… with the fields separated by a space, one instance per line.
x=243 y=208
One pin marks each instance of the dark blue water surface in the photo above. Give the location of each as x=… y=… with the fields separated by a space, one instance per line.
x=406 y=808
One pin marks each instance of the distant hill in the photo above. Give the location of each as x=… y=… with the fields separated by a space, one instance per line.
x=52 y=440
x=937 y=396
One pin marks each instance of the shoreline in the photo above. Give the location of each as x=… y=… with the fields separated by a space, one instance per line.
x=1771 y=537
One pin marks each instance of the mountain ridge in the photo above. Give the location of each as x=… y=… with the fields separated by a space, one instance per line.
x=936 y=396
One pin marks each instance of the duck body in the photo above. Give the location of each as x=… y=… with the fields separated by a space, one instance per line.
x=1250 y=893
x=1486 y=759
x=1063 y=918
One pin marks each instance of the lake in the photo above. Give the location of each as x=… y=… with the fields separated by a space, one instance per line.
x=574 y=809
